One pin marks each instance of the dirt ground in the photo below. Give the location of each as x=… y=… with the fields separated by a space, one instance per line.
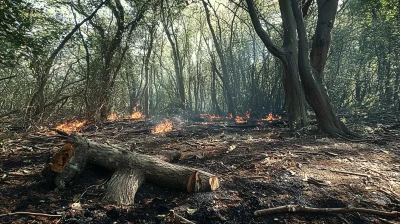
x=260 y=166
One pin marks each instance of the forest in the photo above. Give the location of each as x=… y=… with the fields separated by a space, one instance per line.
x=199 y=111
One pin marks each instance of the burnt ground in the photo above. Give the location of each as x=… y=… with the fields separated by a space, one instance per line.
x=258 y=169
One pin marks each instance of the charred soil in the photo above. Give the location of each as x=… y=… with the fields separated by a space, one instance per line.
x=260 y=166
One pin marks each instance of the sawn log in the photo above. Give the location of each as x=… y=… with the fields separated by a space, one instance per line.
x=130 y=169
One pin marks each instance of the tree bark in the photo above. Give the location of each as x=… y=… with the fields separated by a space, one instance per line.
x=146 y=104
x=225 y=76
x=316 y=93
x=130 y=170
x=177 y=59
x=38 y=97
x=294 y=96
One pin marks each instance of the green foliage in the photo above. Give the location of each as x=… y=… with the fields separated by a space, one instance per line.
x=361 y=74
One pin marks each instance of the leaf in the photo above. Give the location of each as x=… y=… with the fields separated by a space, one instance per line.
x=231 y=148
x=76 y=197
x=190 y=211
x=76 y=206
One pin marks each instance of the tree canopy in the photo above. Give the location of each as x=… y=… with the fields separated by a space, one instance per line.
x=91 y=58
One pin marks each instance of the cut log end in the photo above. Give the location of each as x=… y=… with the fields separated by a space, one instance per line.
x=198 y=182
x=61 y=159
x=214 y=183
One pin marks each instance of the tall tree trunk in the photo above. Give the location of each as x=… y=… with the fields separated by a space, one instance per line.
x=294 y=96
x=214 y=101
x=225 y=75
x=312 y=81
x=396 y=94
x=176 y=56
x=146 y=109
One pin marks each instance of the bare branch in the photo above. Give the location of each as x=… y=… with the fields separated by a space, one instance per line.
x=299 y=208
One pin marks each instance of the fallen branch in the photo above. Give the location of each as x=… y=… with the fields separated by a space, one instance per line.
x=30 y=213
x=299 y=208
x=352 y=173
x=177 y=219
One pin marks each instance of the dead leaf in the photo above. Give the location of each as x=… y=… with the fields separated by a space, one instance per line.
x=190 y=211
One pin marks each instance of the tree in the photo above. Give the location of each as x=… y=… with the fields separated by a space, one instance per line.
x=224 y=76
x=43 y=72
x=176 y=53
x=288 y=55
x=111 y=56
x=298 y=61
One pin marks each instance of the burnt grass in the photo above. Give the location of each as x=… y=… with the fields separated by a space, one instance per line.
x=258 y=169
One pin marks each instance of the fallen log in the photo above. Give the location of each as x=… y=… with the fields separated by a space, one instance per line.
x=130 y=169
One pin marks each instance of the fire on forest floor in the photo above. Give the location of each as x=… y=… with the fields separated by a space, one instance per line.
x=258 y=169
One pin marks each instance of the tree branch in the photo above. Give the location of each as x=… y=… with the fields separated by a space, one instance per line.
x=299 y=208
x=9 y=77
x=275 y=50
x=53 y=55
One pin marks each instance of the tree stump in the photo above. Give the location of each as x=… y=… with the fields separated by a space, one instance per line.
x=130 y=169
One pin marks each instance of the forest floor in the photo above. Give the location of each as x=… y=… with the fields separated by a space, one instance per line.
x=258 y=169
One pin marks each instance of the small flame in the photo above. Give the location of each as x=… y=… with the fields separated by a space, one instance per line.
x=214 y=117
x=271 y=117
x=248 y=114
x=240 y=120
x=210 y=116
x=164 y=126
x=72 y=126
x=112 y=117
x=229 y=116
x=137 y=115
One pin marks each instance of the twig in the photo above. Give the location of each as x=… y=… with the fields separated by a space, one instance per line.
x=9 y=77
x=391 y=194
x=385 y=221
x=98 y=185
x=352 y=173
x=30 y=213
x=62 y=133
x=299 y=208
x=331 y=154
x=179 y=219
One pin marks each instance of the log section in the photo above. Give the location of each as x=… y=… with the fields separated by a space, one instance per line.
x=130 y=170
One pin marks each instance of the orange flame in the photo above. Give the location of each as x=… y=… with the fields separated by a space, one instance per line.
x=271 y=117
x=164 y=126
x=214 y=117
x=210 y=116
x=112 y=117
x=74 y=125
x=229 y=116
x=248 y=114
x=240 y=120
x=137 y=115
